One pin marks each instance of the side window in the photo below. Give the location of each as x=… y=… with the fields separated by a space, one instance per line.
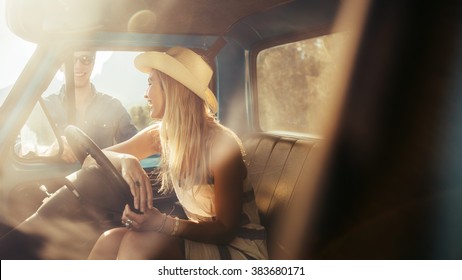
x=37 y=138
x=294 y=83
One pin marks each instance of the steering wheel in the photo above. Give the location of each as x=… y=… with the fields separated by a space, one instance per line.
x=82 y=146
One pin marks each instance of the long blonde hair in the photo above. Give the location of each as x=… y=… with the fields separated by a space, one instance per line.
x=186 y=133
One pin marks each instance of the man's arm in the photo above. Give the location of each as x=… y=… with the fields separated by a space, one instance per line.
x=125 y=129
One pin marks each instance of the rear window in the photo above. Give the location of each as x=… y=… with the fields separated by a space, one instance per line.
x=295 y=81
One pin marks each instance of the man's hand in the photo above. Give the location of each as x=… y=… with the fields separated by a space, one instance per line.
x=67 y=155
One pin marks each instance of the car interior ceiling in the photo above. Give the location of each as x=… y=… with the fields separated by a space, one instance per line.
x=209 y=17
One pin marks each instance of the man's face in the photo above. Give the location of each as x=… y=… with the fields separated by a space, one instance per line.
x=83 y=66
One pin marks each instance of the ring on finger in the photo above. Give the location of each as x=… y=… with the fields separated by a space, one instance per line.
x=137 y=184
x=128 y=223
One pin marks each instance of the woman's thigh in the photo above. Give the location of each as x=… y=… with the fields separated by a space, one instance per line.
x=150 y=245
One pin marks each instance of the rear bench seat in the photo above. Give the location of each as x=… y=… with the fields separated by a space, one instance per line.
x=279 y=168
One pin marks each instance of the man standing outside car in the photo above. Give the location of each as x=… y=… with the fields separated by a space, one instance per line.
x=102 y=117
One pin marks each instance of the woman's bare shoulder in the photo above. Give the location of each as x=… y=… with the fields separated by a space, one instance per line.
x=226 y=138
x=228 y=155
x=226 y=145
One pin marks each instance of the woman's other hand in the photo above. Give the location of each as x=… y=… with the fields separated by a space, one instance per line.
x=151 y=220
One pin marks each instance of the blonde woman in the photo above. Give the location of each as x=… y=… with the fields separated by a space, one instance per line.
x=201 y=160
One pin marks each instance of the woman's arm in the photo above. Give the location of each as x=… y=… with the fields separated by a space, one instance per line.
x=125 y=157
x=229 y=172
x=143 y=144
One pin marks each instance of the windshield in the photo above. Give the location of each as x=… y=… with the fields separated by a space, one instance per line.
x=117 y=95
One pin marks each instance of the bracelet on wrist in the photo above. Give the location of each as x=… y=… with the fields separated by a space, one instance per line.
x=175 y=227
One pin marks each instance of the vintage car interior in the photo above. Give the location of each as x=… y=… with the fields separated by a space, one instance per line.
x=376 y=176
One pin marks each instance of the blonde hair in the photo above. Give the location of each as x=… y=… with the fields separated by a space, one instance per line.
x=186 y=135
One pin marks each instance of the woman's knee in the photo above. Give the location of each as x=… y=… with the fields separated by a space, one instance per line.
x=140 y=241
x=114 y=234
x=106 y=247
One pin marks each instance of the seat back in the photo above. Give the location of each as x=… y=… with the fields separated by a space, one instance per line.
x=278 y=168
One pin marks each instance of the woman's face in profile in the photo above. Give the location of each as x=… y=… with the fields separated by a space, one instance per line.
x=155 y=96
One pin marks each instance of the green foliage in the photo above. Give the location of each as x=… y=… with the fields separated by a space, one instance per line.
x=140 y=116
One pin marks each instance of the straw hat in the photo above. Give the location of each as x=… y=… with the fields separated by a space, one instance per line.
x=183 y=65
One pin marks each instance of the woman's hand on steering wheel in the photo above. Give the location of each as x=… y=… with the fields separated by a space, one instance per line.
x=138 y=181
x=134 y=181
